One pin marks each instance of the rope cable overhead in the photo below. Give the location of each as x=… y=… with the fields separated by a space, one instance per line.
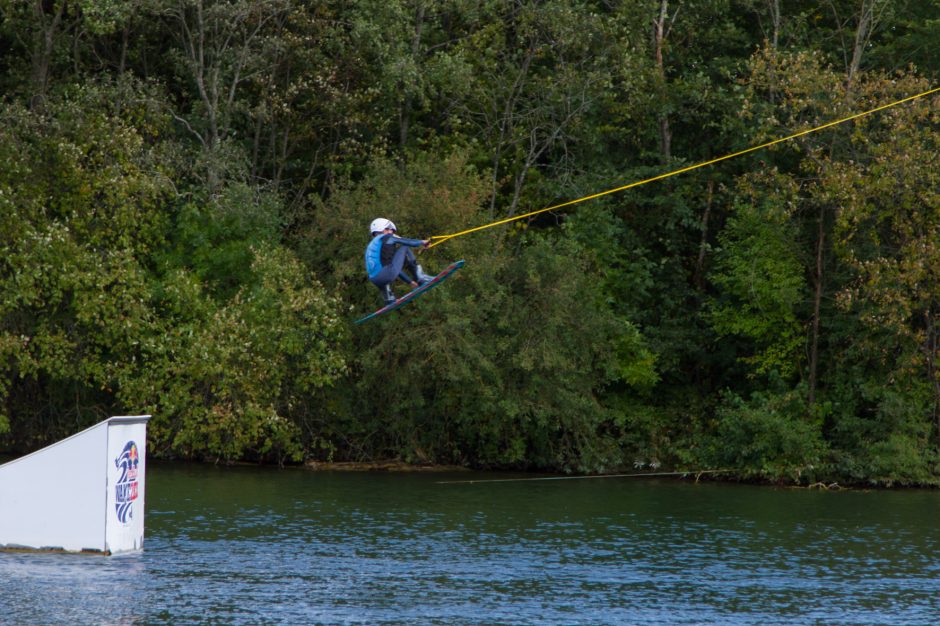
x=438 y=239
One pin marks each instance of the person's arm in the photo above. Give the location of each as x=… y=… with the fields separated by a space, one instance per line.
x=411 y=243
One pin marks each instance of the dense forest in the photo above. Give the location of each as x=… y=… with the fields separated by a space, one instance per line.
x=186 y=188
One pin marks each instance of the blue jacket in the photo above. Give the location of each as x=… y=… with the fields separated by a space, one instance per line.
x=381 y=250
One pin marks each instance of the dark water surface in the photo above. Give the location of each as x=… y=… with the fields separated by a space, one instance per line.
x=267 y=546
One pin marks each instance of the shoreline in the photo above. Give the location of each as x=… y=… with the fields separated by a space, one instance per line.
x=378 y=466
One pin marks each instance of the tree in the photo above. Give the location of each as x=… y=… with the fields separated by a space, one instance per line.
x=535 y=75
x=760 y=277
x=83 y=189
x=228 y=380
x=501 y=367
x=220 y=49
x=887 y=233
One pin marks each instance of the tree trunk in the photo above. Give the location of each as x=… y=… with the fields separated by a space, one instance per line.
x=869 y=12
x=703 y=242
x=505 y=122
x=125 y=44
x=931 y=346
x=774 y=8
x=659 y=36
x=817 y=307
x=404 y=109
x=861 y=38
x=43 y=44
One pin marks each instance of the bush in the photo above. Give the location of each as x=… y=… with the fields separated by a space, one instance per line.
x=767 y=437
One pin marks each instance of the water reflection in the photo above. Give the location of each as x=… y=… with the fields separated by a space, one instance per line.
x=71 y=589
x=248 y=546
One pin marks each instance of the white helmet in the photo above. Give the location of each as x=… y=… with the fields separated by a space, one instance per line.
x=379 y=224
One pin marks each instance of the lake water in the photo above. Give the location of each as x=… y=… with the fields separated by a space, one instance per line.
x=267 y=546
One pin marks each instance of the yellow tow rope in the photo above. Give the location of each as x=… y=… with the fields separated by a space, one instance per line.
x=438 y=239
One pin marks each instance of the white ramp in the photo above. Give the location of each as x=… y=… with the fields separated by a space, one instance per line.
x=82 y=494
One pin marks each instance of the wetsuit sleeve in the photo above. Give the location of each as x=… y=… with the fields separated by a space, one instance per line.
x=411 y=243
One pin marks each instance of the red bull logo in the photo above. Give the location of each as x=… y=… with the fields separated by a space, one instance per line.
x=126 y=488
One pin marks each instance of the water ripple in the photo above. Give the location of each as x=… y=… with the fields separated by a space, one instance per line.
x=266 y=547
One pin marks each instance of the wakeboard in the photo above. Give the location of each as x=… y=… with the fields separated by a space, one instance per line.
x=414 y=293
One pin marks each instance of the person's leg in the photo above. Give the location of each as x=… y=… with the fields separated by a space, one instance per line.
x=411 y=263
x=388 y=296
x=389 y=273
x=416 y=270
x=423 y=278
x=404 y=259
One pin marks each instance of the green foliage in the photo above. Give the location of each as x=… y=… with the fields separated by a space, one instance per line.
x=103 y=17
x=84 y=317
x=81 y=192
x=767 y=437
x=185 y=188
x=886 y=234
x=879 y=434
x=761 y=278
x=505 y=365
x=216 y=239
x=907 y=44
x=229 y=380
